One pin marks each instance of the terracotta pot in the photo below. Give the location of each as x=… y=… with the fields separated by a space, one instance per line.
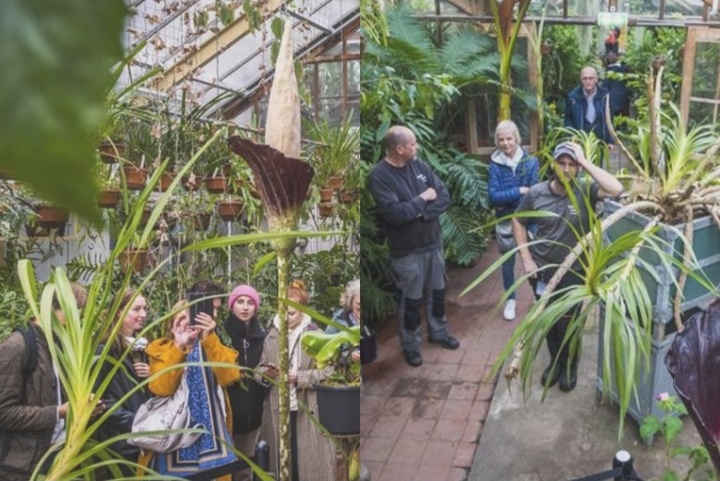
x=145 y=217
x=108 y=198
x=135 y=258
x=166 y=179
x=326 y=195
x=216 y=185
x=135 y=177
x=110 y=153
x=230 y=210
x=348 y=196
x=51 y=217
x=325 y=209
x=336 y=182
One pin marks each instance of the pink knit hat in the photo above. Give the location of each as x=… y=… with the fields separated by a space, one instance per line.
x=243 y=290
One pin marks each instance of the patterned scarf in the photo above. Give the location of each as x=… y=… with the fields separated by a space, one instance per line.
x=210 y=450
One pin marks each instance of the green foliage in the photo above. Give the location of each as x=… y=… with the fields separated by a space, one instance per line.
x=55 y=91
x=561 y=67
x=669 y=427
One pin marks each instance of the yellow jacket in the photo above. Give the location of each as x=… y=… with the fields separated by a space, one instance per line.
x=163 y=353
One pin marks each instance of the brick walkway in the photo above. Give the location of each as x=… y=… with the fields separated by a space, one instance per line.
x=423 y=424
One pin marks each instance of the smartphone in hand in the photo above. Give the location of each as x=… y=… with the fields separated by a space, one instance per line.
x=199 y=302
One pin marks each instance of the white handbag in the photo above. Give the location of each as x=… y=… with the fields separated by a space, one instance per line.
x=163 y=414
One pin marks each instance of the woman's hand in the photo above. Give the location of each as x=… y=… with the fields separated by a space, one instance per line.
x=204 y=324
x=142 y=370
x=185 y=336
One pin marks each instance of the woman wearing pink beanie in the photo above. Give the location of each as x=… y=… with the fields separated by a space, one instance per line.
x=247 y=396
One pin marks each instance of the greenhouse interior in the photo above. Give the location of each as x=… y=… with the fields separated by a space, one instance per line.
x=195 y=193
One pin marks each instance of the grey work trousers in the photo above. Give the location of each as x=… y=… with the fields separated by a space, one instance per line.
x=420 y=277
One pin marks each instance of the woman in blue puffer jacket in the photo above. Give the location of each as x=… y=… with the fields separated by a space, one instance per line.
x=512 y=172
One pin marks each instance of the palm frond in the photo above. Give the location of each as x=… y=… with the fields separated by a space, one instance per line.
x=462 y=239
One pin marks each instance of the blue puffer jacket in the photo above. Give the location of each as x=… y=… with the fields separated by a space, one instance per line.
x=504 y=184
x=576 y=106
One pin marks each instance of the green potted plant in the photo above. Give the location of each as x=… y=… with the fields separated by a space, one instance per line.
x=338 y=395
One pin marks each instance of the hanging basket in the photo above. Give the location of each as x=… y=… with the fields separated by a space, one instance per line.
x=348 y=196
x=110 y=152
x=230 y=210
x=216 y=185
x=133 y=258
x=326 y=194
x=166 y=179
x=51 y=217
x=336 y=182
x=339 y=408
x=135 y=177
x=108 y=198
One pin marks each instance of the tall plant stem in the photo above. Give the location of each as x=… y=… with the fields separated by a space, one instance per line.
x=285 y=453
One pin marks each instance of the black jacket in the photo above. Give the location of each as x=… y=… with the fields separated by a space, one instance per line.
x=247 y=396
x=120 y=421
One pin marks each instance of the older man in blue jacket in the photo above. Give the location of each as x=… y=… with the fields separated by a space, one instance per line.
x=586 y=105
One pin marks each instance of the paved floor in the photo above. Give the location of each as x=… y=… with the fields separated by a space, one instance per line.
x=445 y=421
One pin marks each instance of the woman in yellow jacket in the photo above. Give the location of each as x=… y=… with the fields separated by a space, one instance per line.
x=207 y=400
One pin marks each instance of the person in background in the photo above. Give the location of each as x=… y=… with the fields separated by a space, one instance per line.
x=32 y=410
x=585 y=106
x=612 y=41
x=208 y=403
x=246 y=397
x=131 y=315
x=616 y=86
x=211 y=289
x=410 y=198
x=512 y=172
x=349 y=313
x=313 y=454
x=570 y=219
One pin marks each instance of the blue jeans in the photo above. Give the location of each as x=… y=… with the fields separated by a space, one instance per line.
x=508 y=275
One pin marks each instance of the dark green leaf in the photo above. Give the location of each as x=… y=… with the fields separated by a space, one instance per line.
x=58 y=57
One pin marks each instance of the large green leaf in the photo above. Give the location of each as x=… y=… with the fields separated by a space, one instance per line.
x=57 y=58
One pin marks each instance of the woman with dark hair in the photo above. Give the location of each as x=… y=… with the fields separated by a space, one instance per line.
x=129 y=350
x=313 y=454
x=246 y=397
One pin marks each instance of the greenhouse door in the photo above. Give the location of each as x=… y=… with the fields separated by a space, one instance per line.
x=700 y=97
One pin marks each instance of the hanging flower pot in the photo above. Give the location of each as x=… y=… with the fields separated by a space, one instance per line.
x=348 y=196
x=216 y=185
x=135 y=177
x=145 y=216
x=133 y=258
x=336 y=182
x=51 y=217
x=166 y=179
x=325 y=209
x=230 y=210
x=326 y=195
x=108 y=198
x=110 y=151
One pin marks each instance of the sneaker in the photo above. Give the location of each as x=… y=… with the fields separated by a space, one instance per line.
x=568 y=379
x=550 y=376
x=509 y=311
x=414 y=358
x=448 y=343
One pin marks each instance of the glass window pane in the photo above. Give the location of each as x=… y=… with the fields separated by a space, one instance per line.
x=330 y=79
